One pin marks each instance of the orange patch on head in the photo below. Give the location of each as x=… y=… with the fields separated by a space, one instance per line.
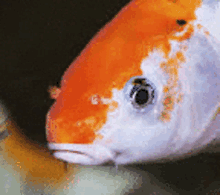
x=109 y=61
x=165 y=116
x=171 y=67
x=169 y=103
x=186 y=35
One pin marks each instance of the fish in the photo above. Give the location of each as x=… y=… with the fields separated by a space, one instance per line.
x=145 y=88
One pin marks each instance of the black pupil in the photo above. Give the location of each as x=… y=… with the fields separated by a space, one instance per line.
x=141 y=97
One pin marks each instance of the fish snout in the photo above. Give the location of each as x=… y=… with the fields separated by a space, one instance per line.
x=82 y=154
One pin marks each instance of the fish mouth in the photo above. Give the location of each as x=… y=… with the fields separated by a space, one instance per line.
x=82 y=154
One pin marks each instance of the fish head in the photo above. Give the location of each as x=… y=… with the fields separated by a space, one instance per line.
x=145 y=88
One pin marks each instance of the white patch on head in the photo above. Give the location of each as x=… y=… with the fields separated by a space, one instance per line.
x=209 y=16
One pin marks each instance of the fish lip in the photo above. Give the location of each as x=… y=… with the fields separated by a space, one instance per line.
x=91 y=154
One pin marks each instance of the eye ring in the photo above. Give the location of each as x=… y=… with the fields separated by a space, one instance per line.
x=141 y=93
x=141 y=96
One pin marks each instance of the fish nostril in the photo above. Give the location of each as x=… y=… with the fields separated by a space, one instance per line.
x=181 y=22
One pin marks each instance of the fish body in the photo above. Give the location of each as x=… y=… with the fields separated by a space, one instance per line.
x=145 y=88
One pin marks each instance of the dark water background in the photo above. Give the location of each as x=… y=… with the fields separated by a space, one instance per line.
x=38 y=41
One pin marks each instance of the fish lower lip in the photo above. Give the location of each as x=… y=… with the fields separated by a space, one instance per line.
x=67 y=151
x=80 y=158
x=74 y=157
x=84 y=154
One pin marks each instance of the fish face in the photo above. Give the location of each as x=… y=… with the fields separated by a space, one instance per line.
x=132 y=98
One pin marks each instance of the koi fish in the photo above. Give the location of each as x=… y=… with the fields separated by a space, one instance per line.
x=145 y=88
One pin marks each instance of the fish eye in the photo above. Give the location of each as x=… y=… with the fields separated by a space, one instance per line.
x=140 y=92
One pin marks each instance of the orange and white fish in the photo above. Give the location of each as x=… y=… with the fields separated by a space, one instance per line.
x=146 y=87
